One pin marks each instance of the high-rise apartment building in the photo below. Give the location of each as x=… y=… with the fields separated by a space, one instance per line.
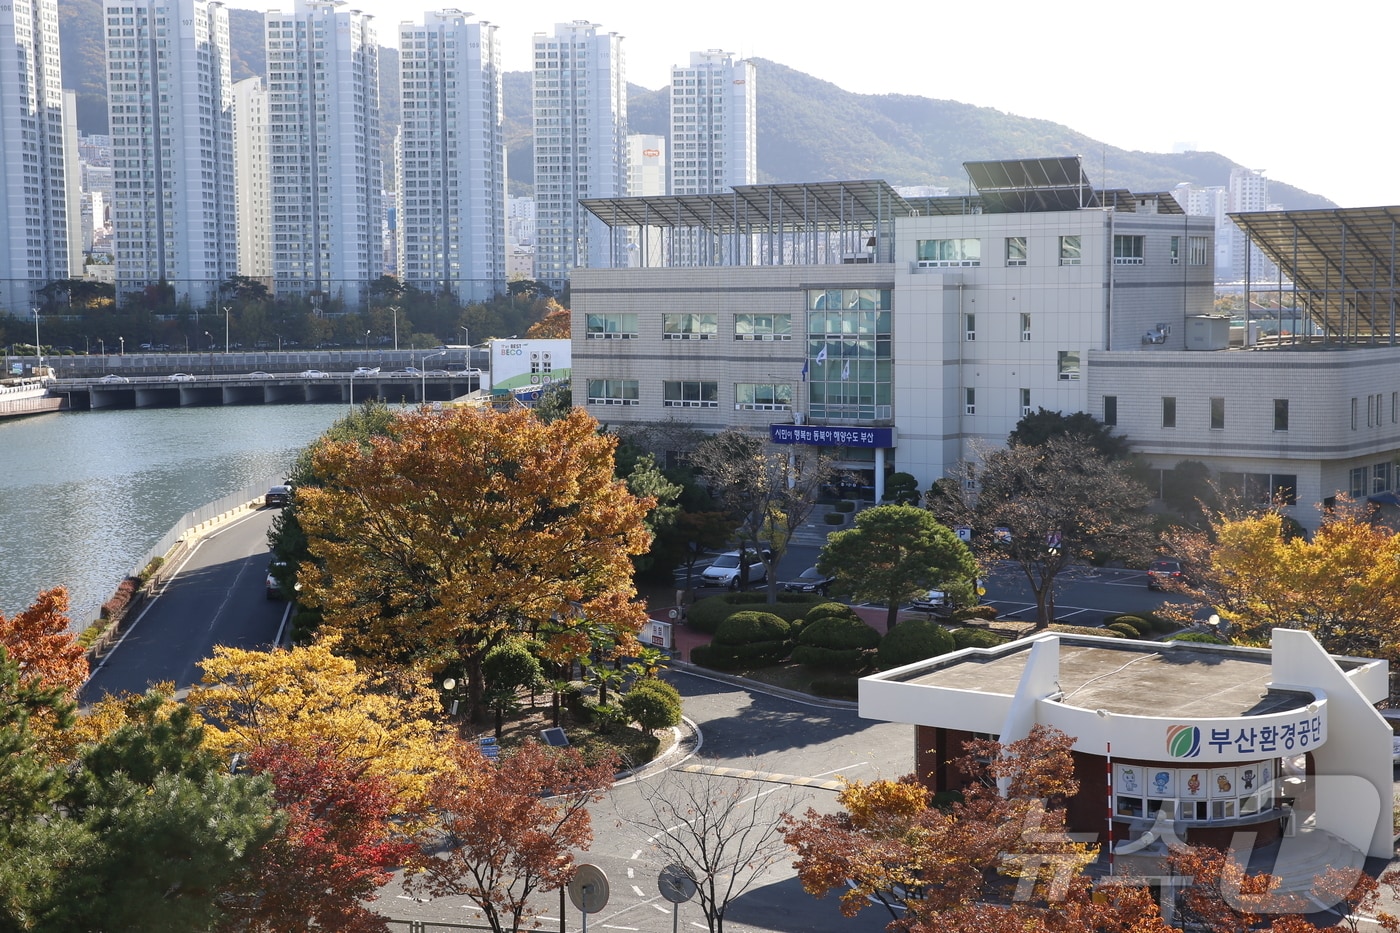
x=250 y=159
x=33 y=201
x=452 y=159
x=580 y=107
x=170 y=102
x=1249 y=191
x=323 y=141
x=714 y=126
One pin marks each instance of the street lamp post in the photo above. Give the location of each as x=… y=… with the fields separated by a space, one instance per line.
x=123 y=346
x=424 y=397
x=103 y=345
x=38 y=349
x=396 y=326
x=226 y=316
x=366 y=346
x=211 y=351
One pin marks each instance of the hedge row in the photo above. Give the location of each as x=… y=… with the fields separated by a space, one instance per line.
x=126 y=592
x=708 y=613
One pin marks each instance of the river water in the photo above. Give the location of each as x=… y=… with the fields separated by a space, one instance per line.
x=84 y=495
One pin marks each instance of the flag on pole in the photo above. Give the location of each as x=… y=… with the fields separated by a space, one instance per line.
x=821 y=355
x=804 y=370
x=846 y=370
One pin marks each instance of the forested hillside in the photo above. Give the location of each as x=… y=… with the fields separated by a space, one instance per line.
x=808 y=129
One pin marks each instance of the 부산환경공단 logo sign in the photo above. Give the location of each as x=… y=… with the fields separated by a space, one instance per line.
x=1183 y=741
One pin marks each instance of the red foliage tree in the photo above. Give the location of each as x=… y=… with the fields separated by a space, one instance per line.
x=38 y=639
x=336 y=849
x=510 y=829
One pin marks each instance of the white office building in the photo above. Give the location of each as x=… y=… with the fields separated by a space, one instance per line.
x=906 y=334
x=173 y=210
x=1249 y=191
x=714 y=124
x=33 y=201
x=580 y=119
x=250 y=157
x=323 y=135
x=452 y=162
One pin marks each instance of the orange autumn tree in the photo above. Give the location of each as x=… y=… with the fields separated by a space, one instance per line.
x=991 y=861
x=459 y=529
x=38 y=640
x=554 y=324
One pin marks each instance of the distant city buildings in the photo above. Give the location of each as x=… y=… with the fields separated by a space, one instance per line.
x=452 y=165
x=323 y=134
x=34 y=210
x=580 y=121
x=1248 y=190
x=254 y=192
x=173 y=187
x=714 y=124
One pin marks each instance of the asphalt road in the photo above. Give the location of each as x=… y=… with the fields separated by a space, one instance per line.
x=217 y=597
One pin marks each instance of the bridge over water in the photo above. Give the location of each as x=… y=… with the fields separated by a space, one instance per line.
x=263 y=388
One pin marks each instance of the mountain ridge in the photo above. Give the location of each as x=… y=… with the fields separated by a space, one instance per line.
x=901 y=138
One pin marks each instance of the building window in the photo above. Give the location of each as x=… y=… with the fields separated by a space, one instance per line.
x=684 y=394
x=763 y=327
x=1015 y=251
x=966 y=251
x=970 y=401
x=1273 y=488
x=850 y=358
x=1217 y=414
x=1280 y=414
x=971 y=322
x=1380 y=477
x=605 y=326
x=753 y=396
x=1358 y=482
x=1127 y=250
x=689 y=326
x=1069 y=251
x=1069 y=364
x=1353 y=412
x=1199 y=247
x=1196 y=794
x=1110 y=410
x=1025 y=402
x=613 y=391
x=1168 y=411
x=1176 y=250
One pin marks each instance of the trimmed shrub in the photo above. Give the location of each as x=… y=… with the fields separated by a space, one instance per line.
x=846 y=505
x=1200 y=637
x=838 y=688
x=902 y=489
x=126 y=591
x=837 y=641
x=753 y=638
x=986 y=613
x=976 y=638
x=1124 y=629
x=913 y=640
x=707 y=614
x=1159 y=624
x=1084 y=630
x=1136 y=623
x=834 y=518
x=653 y=704
x=830 y=610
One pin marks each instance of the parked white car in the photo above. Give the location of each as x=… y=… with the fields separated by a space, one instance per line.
x=733 y=569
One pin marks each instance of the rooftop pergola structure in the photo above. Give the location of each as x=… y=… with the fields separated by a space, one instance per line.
x=1342 y=265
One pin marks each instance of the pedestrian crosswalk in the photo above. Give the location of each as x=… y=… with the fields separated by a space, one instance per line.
x=767 y=776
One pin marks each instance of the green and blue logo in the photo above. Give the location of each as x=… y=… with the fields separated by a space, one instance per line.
x=1183 y=741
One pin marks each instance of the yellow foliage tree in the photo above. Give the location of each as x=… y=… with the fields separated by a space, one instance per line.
x=309 y=697
x=554 y=324
x=459 y=529
x=1342 y=585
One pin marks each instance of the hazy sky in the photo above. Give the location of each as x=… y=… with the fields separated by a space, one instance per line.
x=1304 y=92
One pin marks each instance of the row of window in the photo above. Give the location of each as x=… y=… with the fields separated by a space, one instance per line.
x=1128 y=250
x=684 y=393
x=1217 y=412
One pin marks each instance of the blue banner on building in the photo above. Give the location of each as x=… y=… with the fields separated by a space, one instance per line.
x=830 y=437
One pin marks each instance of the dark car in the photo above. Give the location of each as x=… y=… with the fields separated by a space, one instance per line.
x=1164 y=573
x=810 y=580
x=277 y=497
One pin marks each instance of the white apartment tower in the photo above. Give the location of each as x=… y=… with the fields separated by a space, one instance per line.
x=452 y=158
x=250 y=159
x=714 y=127
x=323 y=140
x=170 y=102
x=580 y=106
x=33 y=201
x=1249 y=191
